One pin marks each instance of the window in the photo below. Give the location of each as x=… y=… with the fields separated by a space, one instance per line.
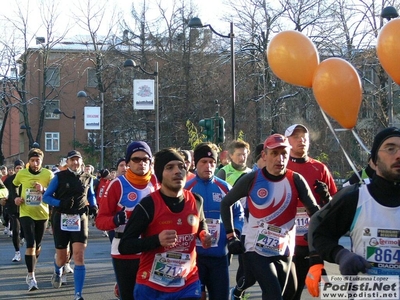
x=92 y=79
x=52 y=142
x=53 y=76
x=50 y=107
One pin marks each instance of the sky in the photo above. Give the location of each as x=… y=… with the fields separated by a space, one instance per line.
x=211 y=12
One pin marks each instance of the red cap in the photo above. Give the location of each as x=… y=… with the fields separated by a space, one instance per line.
x=276 y=140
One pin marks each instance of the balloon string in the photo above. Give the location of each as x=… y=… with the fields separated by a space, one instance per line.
x=360 y=141
x=341 y=147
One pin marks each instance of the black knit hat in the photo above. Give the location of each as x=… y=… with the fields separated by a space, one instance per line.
x=18 y=162
x=204 y=150
x=119 y=161
x=380 y=138
x=163 y=157
x=257 y=152
x=104 y=173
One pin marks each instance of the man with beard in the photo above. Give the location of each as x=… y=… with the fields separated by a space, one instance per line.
x=238 y=152
x=33 y=212
x=164 y=227
x=120 y=198
x=368 y=212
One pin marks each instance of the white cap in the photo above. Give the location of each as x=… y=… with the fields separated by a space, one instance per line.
x=290 y=129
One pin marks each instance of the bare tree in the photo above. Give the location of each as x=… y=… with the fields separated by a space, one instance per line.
x=19 y=54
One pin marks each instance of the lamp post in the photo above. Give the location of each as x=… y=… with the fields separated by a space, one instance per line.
x=82 y=94
x=196 y=23
x=59 y=112
x=389 y=13
x=129 y=63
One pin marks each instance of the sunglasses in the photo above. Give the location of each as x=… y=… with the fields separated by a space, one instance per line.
x=139 y=159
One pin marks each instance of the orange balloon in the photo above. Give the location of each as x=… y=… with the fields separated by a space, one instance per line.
x=338 y=91
x=388 y=49
x=293 y=57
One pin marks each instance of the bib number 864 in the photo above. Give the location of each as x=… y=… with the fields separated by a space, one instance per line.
x=387 y=255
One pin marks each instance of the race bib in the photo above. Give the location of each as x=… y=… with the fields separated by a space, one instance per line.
x=33 y=197
x=271 y=240
x=170 y=269
x=302 y=220
x=214 y=228
x=70 y=222
x=382 y=250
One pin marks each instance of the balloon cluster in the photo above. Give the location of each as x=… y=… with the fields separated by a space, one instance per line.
x=336 y=85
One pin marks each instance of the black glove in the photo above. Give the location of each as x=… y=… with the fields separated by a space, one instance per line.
x=120 y=217
x=66 y=203
x=93 y=210
x=351 y=263
x=322 y=190
x=235 y=246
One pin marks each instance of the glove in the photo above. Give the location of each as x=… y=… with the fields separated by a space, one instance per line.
x=93 y=210
x=314 y=278
x=322 y=190
x=235 y=246
x=120 y=217
x=351 y=263
x=66 y=203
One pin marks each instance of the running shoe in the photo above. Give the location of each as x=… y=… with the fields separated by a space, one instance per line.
x=32 y=284
x=6 y=231
x=64 y=279
x=17 y=256
x=105 y=233
x=78 y=297
x=67 y=268
x=56 y=281
x=21 y=242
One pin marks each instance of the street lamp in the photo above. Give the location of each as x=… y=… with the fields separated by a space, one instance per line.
x=389 y=13
x=129 y=63
x=82 y=94
x=59 y=112
x=196 y=23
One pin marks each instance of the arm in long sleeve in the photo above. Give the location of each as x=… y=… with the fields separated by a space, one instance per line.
x=333 y=222
x=305 y=194
x=141 y=217
x=48 y=194
x=328 y=179
x=91 y=195
x=109 y=207
x=238 y=216
x=240 y=190
x=202 y=219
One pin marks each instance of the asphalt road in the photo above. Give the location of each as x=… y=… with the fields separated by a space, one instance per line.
x=100 y=279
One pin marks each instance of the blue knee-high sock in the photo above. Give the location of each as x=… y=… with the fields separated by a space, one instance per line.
x=79 y=278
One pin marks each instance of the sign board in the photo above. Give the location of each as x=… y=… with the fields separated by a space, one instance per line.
x=143 y=94
x=92 y=118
